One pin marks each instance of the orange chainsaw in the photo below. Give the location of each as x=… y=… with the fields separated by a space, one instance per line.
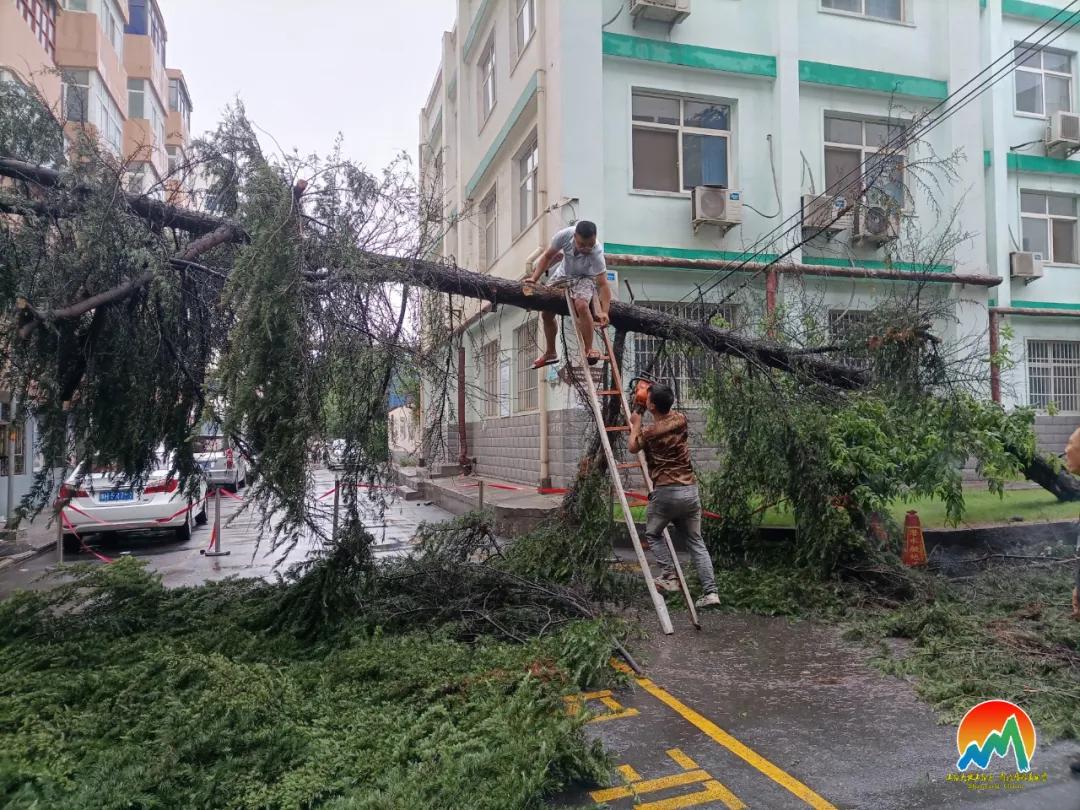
x=640 y=388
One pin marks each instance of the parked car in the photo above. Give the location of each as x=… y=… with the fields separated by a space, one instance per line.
x=222 y=466
x=100 y=501
x=335 y=454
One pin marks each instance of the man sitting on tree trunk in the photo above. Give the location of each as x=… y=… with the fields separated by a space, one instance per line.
x=581 y=269
x=675 y=500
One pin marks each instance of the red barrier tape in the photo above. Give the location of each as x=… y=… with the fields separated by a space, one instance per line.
x=184 y=511
x=82 y=542
x=213 y=537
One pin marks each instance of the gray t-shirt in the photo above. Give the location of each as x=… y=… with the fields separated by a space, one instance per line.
x=574 y=264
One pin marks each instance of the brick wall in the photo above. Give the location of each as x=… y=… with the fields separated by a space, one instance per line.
x=1054 y=431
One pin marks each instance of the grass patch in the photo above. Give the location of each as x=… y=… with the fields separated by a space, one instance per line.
x=116 y=692
x=983 y=507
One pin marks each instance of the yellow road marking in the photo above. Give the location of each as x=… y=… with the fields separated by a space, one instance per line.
x=575 y=703
x=648 y=786
x=740 y=750
x=713 y=791
x=682 y=759
x=629 y=774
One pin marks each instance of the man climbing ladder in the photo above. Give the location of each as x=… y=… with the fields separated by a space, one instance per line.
x=582 y=271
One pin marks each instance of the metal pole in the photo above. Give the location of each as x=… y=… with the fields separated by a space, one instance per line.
x=337 y=498
x=60 y=535
x=995 y=367
x=217 y=552
x=480 y=506
x=10 y=473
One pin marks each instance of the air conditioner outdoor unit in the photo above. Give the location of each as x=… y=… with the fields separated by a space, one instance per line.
x=876 y=224
x=668 y=11
x=819 y=213
x=1026 y=265
x=716 y=205
x=1064 y=131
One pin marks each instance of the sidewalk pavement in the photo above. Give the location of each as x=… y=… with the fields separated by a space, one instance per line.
x=31 y=539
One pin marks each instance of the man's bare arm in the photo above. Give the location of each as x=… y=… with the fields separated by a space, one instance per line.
x=542 y=264
x=603 y=292
x=635 y=433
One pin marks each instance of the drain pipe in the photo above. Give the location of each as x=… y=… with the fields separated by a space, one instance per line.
x=463 y=438
x=995 y=368
x=542 y=206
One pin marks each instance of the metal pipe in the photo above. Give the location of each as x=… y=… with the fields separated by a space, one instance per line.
x=995 y=368
x=626 y=260
x=542 y=205
x=772 y=284
x=1036 y=313
x=463 y=439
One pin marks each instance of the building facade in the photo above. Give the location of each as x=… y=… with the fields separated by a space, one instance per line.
x=101 y=66
x=547 y=111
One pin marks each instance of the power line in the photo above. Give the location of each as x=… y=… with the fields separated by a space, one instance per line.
x=903 y=140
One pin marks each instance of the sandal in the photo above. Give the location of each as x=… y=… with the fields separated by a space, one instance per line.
x=593 y=357
x=546 y=360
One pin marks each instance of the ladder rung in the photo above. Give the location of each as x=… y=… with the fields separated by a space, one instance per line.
x=608 y=392
x=617 y=428
x=629 y=465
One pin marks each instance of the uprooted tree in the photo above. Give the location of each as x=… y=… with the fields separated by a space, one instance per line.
x=288 y=307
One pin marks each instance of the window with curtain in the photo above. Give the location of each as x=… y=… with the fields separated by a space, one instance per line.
x=527 y=164
x=679 y=143
x=525 y=23
x=489 y=230
x=486 y=84
x=76 y=95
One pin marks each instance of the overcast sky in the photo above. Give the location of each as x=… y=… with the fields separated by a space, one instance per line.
x=309 y=69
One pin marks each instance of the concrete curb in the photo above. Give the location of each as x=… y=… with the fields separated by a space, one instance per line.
x=35 y=540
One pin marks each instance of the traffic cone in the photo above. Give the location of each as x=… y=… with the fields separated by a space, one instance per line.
x=914 y=547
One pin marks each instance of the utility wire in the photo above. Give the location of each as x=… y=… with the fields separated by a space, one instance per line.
x=905 y=138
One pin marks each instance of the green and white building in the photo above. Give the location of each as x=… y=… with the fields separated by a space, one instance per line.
x=546 y=111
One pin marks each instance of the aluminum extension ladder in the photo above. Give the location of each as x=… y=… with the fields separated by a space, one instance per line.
x=640 y=465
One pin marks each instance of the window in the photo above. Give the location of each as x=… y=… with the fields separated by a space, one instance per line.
x=489 y=227
x=157 y=34
x=525 y=24
x=136 y=98
x=525 y=348
x=108 y=119
x=76 y=95
x=1054 y=374
x=76 y=5
x=672 y=133
x=178 y=101
x=175 y=159
x=881 y=9
x=113 y=26
x=489 y=369
x=1048 y=226
x=527 y=165
x=851 y=162
x=1043 y=80
x=487 y=80
x=685 y=369
x=40 y=15
x=850 y=326
x=19 y=442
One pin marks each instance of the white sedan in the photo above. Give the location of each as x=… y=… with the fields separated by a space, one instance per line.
x=96 y=502
x=222 y=466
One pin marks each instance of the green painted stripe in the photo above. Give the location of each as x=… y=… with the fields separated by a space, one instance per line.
x=685 y=253
x=988 y=158
x=436 y=128
x=694 y=56
x=1043 y=305
x=982 y=3
x=873 y=80
x=912 y=267
x=1038 y=164
x=1033 y=11
x=451 y=89
x=474 y=29
x=504 y=133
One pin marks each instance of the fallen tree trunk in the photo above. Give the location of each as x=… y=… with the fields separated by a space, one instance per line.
x=1053 y=478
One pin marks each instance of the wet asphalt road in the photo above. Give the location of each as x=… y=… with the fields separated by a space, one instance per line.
x=183 y=564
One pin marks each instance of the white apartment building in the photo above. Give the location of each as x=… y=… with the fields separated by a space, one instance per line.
x=548 y=111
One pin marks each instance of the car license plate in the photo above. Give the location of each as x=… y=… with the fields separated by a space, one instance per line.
x=116 y=495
